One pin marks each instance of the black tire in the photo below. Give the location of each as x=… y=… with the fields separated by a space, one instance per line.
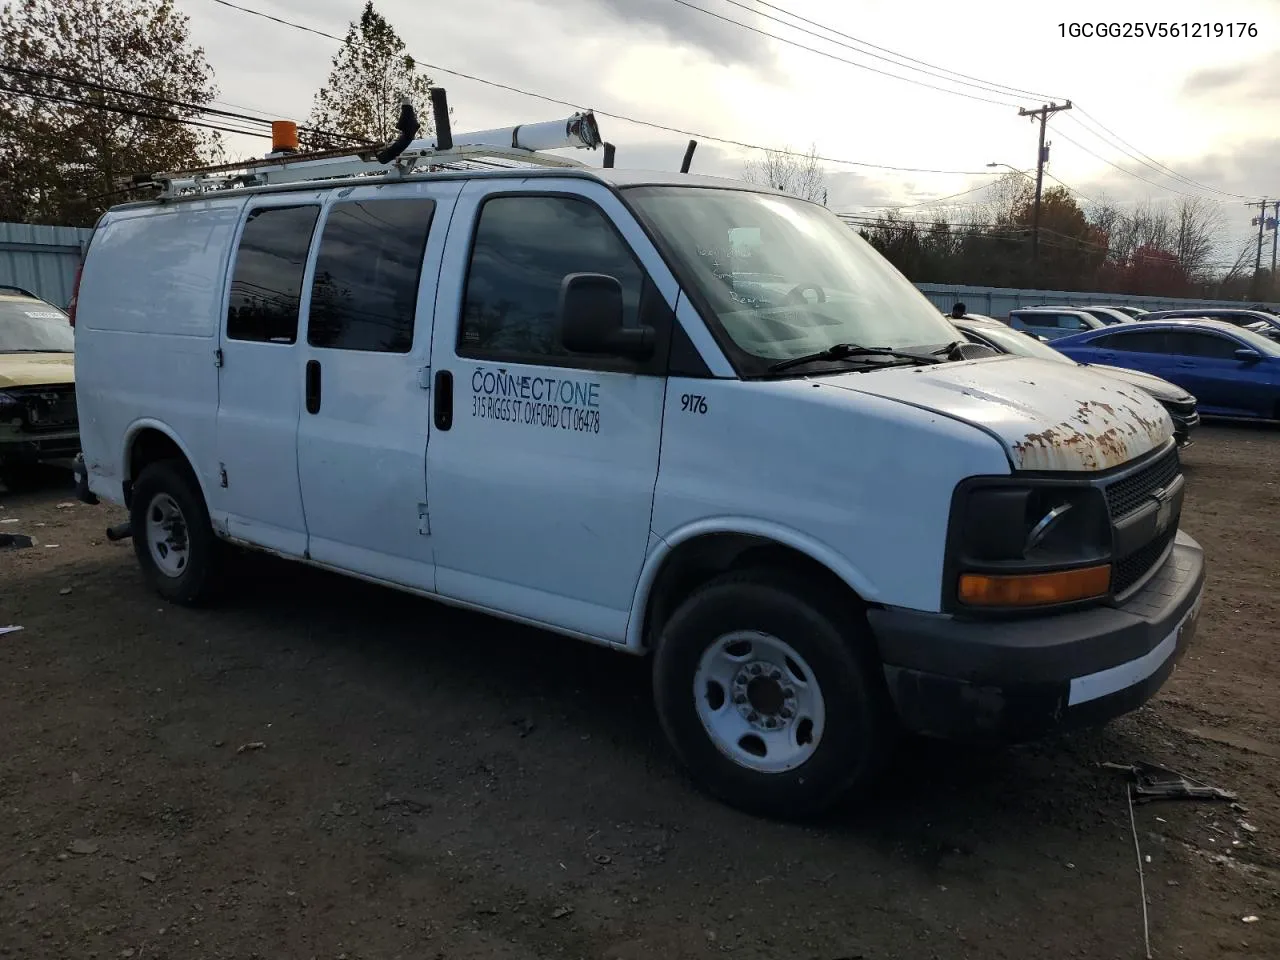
x=832 y=637
x=22 y=477
x=201 y=574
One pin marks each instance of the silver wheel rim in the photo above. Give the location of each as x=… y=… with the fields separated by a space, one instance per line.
x=759 y=701
x=167 y=535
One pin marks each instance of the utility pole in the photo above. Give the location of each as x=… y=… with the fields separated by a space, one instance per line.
x=1041 y=156
x=1261 y=221
x=1275 y=227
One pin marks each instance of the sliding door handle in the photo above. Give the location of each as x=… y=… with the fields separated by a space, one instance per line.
x=443 y=400
x=313 y=386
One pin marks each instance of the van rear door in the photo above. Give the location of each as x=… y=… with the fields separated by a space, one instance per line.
x=365 y=379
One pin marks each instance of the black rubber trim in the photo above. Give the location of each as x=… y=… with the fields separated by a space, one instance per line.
x=685 y=360
x=1049 y=649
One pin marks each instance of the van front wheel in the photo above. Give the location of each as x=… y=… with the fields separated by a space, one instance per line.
x=771 y=695
x=172 y=535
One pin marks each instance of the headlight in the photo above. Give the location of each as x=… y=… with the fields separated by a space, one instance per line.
x=1018 y=544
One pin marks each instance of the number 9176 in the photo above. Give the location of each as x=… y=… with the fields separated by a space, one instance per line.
x=693 y=403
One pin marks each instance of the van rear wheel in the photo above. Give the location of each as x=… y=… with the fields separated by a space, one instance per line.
x=771 y=694
x=172 y=535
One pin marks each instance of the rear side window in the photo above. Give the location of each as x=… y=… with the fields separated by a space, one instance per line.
x=1139 y=341
x=524 y=247
x=266 y=288
x=1203 y=345
x=365 y=292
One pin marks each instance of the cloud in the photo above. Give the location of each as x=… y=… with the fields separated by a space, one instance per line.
x=683 y=26
x=1258 y=81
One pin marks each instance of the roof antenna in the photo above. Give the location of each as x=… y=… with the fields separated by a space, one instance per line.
x=440 y=112
x=688 y=156
x=609 y=151
x=408 y=127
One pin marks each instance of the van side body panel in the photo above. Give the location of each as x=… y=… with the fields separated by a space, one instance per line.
x=151 y=301
x=860 y=483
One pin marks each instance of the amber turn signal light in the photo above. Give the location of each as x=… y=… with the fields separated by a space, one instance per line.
x=1034 y=589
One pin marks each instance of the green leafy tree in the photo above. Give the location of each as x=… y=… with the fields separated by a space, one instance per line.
x=73 y=76
x=371 y=76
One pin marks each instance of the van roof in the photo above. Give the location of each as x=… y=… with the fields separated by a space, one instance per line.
x=611 y=176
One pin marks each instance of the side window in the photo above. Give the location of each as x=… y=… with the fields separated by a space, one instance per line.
x=365 y=292
x=524 y=247
x=266 y=286
x=1149 y=341
x=1203 y=345
x=1069 y=321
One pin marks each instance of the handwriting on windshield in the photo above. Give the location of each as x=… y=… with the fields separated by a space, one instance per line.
x=717 y=258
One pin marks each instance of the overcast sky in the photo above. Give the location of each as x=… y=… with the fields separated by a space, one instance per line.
x=1207 y=108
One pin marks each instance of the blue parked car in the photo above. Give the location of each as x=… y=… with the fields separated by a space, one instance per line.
x=1232 y=371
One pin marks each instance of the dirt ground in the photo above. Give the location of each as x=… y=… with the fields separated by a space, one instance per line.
x=323 y=769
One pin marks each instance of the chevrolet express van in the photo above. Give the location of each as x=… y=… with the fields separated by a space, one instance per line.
x=683 y=417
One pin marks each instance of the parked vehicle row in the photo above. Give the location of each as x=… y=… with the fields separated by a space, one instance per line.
x=37 y=385
x=1259 y=321
x=1233 y=371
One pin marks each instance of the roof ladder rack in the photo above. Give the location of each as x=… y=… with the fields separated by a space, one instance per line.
x=504 y=146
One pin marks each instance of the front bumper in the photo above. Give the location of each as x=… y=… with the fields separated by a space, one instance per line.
x=1019 y=680
x=37 y=448
x=1183 y=424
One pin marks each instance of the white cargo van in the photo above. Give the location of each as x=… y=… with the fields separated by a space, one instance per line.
x=678 y=416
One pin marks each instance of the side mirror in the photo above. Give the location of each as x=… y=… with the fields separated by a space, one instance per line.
x=1245 y=355
x=591 y=319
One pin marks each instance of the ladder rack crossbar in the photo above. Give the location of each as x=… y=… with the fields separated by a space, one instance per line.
x=519 y=145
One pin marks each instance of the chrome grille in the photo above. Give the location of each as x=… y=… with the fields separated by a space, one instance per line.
x=1130 y=492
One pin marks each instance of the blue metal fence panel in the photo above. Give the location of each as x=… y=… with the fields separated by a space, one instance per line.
x=41 y=259
x=998 y=301
x=44 y=259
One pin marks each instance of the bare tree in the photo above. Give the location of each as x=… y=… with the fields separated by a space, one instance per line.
x=1198 y=225
x=1007 y=194
x=1234 y=275
x=799 y=174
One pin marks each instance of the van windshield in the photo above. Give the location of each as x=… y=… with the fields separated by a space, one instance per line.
x=31 y=326
x=785 y=278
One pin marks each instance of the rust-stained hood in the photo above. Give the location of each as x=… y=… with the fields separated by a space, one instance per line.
x=1048 y=416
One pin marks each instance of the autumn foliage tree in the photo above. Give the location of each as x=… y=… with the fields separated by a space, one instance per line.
x=74 y=79
x=1070 y=247
x=372 y=75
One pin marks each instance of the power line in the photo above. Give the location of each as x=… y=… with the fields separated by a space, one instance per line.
x=605 y=113
x=1069 y=188
x=979 y=85
x=930 y=202
x=142 y=114
x=1130 y=173
x=839 y=59
x=900 y=56
x=167 y=101
x=1169 y=171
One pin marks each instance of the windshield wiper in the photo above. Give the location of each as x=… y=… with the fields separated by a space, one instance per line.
x=851 y=351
